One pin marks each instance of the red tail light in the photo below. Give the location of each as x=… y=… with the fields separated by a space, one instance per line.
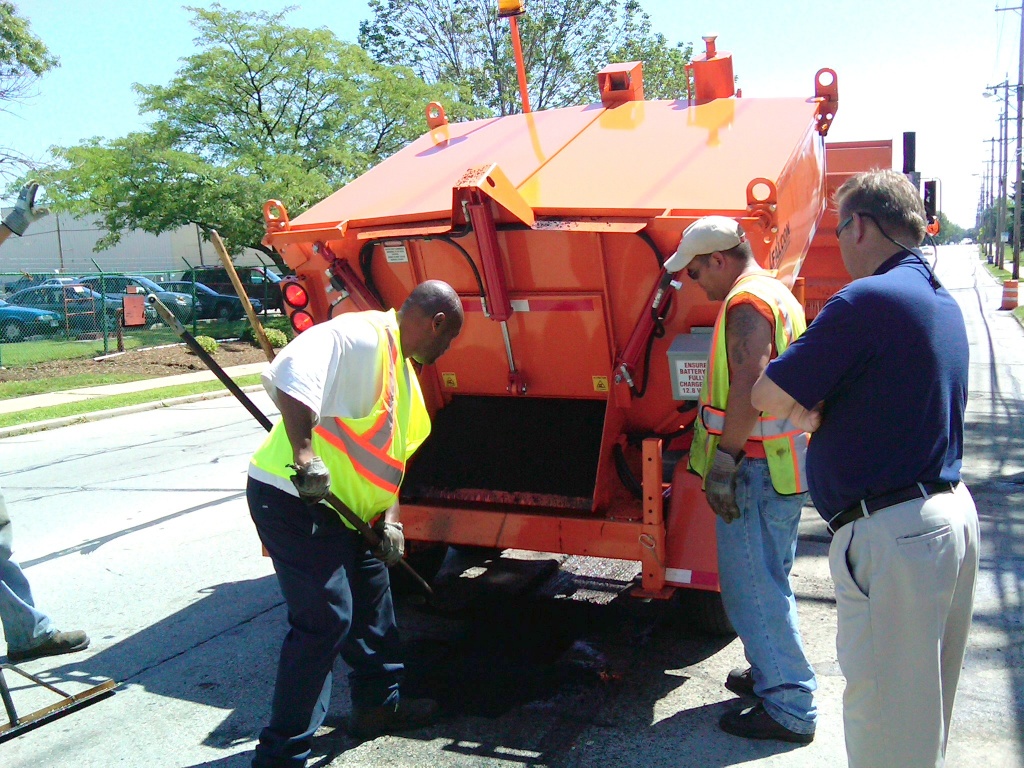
x=295 y=295
x=302 y=320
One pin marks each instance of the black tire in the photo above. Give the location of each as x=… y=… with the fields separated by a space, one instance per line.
x=704 y=612
x=12 y=332
x=224 y=311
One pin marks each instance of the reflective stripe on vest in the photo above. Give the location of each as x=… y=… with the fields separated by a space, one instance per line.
x=784 y=444
x=369 y=452
x=366 y=456
x=767 y=427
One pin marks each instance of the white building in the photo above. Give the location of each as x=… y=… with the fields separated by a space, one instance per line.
x=61 y=244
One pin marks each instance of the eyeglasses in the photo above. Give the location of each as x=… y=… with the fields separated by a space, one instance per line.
x=693 y=272
x=844 y=225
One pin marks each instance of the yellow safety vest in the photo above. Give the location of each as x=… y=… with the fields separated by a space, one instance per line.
x=785 y=445
x=365 y=456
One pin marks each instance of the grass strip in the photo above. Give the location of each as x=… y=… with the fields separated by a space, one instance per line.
x=9 y=389
x=94 y=404
x=1001 y=275
x=46 y=350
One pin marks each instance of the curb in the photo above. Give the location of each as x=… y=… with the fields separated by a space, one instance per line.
x=40 y=426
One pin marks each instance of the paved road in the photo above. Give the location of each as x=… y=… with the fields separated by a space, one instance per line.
x=135 y=529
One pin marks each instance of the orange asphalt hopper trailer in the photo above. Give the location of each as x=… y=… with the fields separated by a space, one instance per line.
x=556 y=423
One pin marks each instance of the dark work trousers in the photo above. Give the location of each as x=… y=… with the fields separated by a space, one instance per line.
x=339 y=602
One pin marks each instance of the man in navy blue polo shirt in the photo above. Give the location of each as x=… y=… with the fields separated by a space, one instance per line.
x=880 y=378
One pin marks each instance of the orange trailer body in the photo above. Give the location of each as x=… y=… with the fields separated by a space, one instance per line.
x=558 y=420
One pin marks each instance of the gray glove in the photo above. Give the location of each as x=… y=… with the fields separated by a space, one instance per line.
x=312 y=481
x=720 y=486
x=25 y=211
x=392 y=542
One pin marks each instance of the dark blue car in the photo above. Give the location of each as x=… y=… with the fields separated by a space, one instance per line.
x=18 y=323
x=213 y=305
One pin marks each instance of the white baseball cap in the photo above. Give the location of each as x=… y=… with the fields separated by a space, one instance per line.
x=705 y=235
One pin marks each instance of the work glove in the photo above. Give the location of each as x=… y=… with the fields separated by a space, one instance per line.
x=312 y=481
x=25 y=211
x=392 y=542
x=720 y=486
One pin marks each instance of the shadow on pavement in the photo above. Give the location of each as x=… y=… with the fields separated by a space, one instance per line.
x=993 y=462
x=554 y=664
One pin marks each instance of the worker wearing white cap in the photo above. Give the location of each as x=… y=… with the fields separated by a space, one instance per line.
x=752 y=468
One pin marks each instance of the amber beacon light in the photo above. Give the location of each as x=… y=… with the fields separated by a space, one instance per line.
x=511 y=9
x=507 y=8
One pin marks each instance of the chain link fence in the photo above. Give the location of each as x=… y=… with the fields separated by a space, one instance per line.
x=47 y=316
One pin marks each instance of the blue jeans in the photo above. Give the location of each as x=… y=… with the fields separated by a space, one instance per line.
x=339 y=602
x=755 y=556
x=25 y=626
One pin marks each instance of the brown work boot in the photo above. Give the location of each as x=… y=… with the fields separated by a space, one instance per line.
x=367 y=723
x=54 y=645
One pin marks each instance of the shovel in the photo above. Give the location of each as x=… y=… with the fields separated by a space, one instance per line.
x=335 y=503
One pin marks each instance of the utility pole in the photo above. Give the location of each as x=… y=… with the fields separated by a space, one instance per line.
x=1018 y=154
x=992 y=230
x=1004 y=162
x=1004 y=166
x=60 y=245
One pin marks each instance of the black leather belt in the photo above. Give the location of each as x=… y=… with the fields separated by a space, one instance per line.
x=867 y=507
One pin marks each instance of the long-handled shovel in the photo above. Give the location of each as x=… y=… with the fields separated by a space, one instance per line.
x=358 y=523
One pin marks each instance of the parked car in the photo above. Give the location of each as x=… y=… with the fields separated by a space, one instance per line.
x=31 y=281
x=78 y=308
x=214 y=305
x=17 y=323
x=180 y=304
x=259 y=282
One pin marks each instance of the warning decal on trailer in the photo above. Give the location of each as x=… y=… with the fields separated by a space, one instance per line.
x=689 y=377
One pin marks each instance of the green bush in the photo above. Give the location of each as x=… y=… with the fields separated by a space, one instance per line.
x=209 y=345
x=277 y=338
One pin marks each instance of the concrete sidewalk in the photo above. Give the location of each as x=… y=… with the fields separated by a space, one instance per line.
x=16 y=404
x=50 y=399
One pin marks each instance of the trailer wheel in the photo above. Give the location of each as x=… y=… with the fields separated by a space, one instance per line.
x=704 y=611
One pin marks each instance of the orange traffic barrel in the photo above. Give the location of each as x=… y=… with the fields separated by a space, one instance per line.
x=1009 y=295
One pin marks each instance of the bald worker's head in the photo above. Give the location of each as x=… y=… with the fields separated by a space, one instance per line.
x=429 y=321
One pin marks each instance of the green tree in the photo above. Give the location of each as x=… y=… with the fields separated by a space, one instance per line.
x=565 y=44
x=262 y=111
x=24 y=58
x=948 y=231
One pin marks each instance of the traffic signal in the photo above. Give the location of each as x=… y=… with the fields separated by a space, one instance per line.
x=931 y=201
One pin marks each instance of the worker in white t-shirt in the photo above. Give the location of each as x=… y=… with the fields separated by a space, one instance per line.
x=352 y=414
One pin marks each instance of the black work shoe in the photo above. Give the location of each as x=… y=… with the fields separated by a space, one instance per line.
x=54 y=645
x=369 y=722
x=741 y=682
x=756 y=723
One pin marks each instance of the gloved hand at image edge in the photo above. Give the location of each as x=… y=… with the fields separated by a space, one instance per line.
x=392 y=542
x=312 y=480
x=720 y=486
x=25 y=211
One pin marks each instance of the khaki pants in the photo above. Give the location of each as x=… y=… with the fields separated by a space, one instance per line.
x=904 y=581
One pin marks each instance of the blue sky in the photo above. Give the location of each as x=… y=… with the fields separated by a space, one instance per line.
x=902 y=65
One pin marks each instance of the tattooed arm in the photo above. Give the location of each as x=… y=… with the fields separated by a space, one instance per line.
x=748 y=340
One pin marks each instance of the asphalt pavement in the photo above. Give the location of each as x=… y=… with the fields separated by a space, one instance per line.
x=134 y=527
